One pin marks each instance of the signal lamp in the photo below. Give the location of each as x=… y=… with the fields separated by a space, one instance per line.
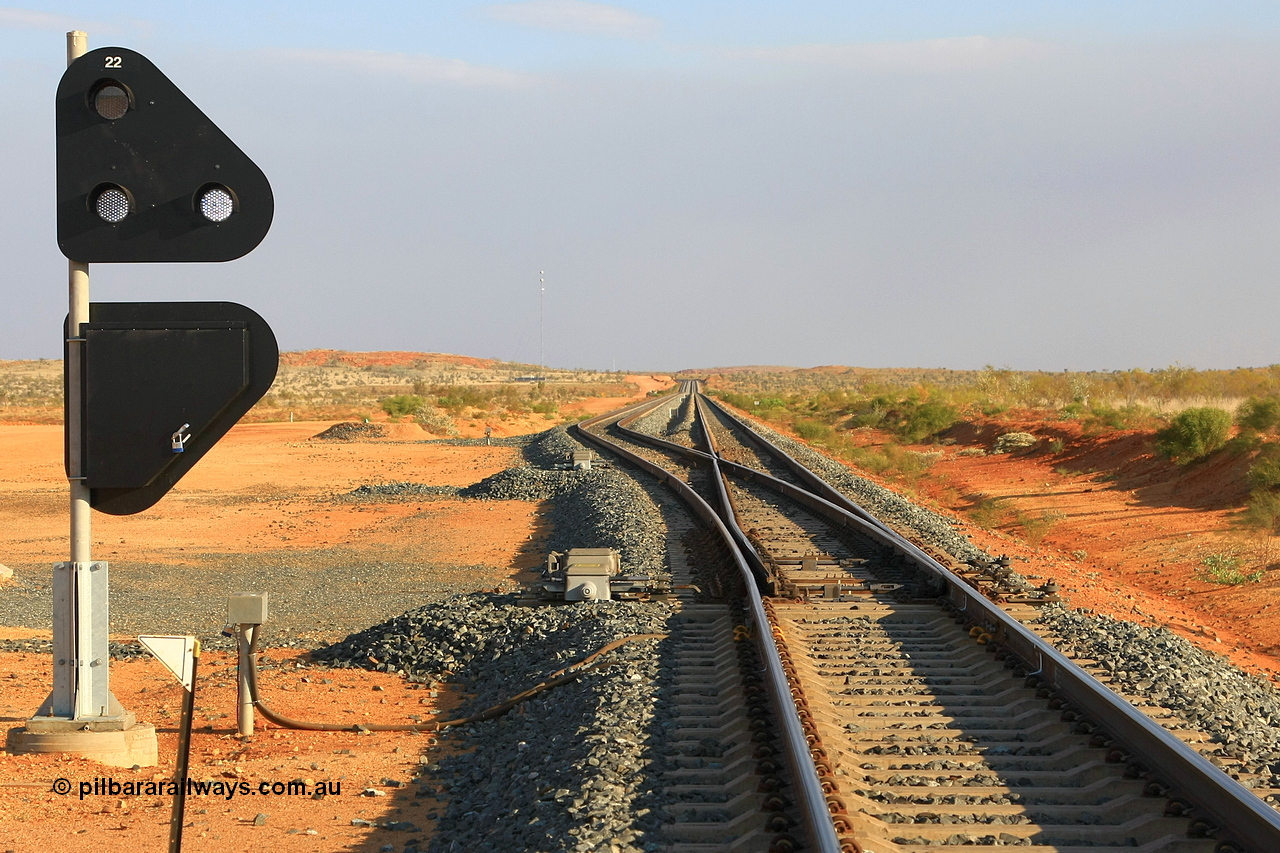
x=112 y=203
x=110 y=100
x=215 y=203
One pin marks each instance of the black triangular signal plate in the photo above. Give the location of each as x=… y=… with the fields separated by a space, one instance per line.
x=145 y=139
x=153 y=369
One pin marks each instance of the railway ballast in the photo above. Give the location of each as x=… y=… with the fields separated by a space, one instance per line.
x=836 y=672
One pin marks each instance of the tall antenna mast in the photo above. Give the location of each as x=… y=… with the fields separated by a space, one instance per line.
x=542 y=347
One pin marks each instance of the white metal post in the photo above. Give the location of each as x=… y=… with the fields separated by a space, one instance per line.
x=81 y=686
x=71 y=623
x=244 y=697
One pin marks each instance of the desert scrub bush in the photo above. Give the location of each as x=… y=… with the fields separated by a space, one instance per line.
x=868 y=459
x=1224 y=567
x=401 y=405
x=927 y=420
x=1102 y=418
x=1261 y=512
x=811 y=430
x=971 y=451
x=910 y=420
x=1194 y=433
x=1057 y=445
x=990 y=513
x=1105 y=417
x=1036 y=527
x=1259 y=414
x=435 y=421
x=1264 y=473
x=910 y=464
x=871 y=413
x=1012 y=441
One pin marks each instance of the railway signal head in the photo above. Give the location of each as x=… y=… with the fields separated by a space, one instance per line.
x=144 y=175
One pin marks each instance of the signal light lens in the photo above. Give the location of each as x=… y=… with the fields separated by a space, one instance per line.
x=216 y=203
x=112 y=204
x=111 y=101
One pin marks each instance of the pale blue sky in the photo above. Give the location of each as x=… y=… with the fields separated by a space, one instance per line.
x=1077 y=185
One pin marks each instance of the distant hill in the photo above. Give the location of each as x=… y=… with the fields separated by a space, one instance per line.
x=746 y=368
x=329 y=384
x=337 y=358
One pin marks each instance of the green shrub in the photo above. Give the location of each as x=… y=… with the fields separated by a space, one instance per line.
x=1224 y=568
x=868 y=459
x=1265 y=471
x=402 y=404
x=1259 y=414
x=908 y=419
x=813 y=430
x=1194 y=433
x=990 y=512
x=872 y=413
x=1262 y=512
x=911 y=464
x=1035 y=527
x=927 y=419
x=435 y=421
x=1107 y=417
x=1072 y=410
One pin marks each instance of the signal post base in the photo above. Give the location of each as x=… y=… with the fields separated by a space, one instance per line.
x=115 y=742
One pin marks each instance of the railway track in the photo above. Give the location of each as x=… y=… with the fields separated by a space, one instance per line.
x=911 y=710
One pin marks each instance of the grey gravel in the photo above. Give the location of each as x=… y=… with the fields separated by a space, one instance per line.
x=561 y=772
x=407 y=490
x=567 y=770
x=124 y=651
x=598 y=508
x=352 y=431
x=663 y=423
x=1241 y=712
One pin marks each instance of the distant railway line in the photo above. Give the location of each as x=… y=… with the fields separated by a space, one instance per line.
x=868 y=692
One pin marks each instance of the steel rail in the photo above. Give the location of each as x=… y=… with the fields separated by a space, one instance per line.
x=1239 y=815
x=811 y=798
x=815 y=484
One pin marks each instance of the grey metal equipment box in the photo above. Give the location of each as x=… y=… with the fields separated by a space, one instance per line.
x=247 y=608
x=587 y=572
x=582 y=459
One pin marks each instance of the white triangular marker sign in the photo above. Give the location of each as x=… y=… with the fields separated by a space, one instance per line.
x=175 y=653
